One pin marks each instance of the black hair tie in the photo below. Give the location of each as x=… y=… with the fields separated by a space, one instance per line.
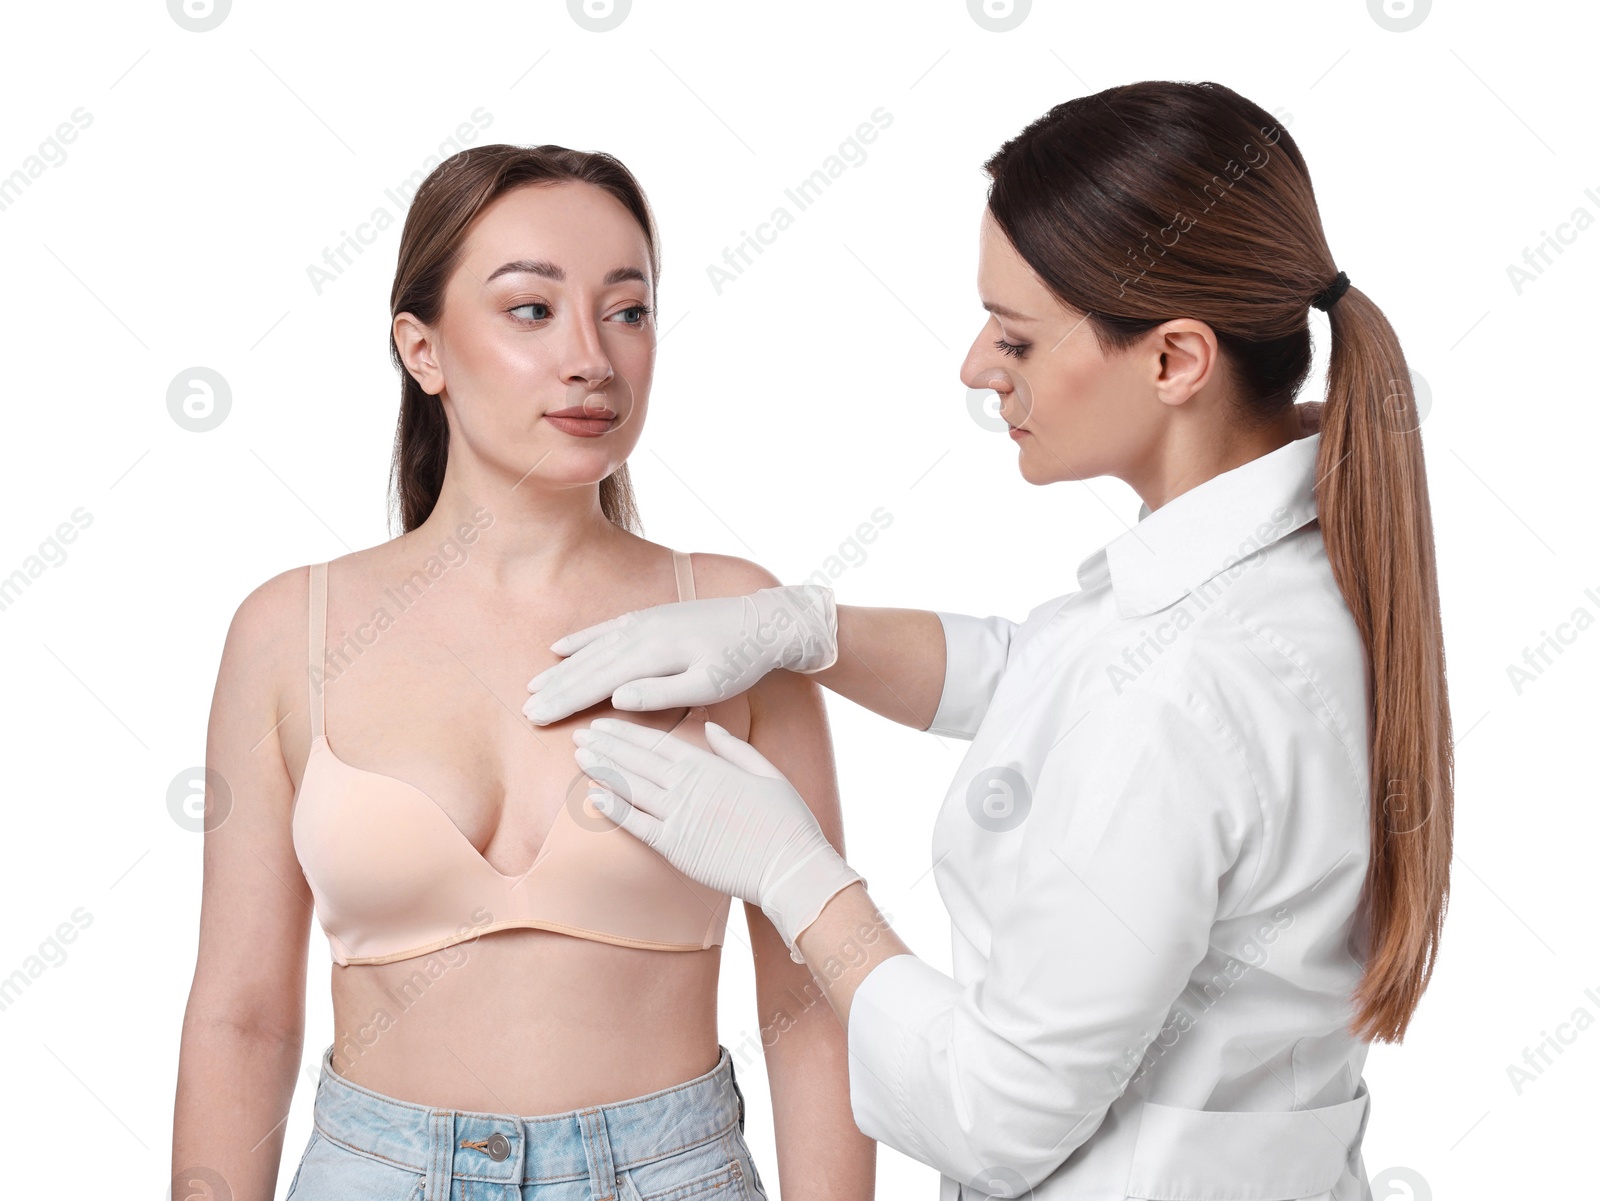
x=1326 y=298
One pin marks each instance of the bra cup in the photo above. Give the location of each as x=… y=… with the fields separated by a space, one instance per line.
x=388 y=869
x=380 y=873
x=393 y=877
x=641 y=890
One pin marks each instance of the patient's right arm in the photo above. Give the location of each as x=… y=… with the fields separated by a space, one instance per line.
x=243 y=1028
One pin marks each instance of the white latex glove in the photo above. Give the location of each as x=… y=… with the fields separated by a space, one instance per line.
x=685 y=653
x=728 y=819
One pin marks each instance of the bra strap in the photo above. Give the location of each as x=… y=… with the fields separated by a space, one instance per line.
x=319 y=634
x=684 y=570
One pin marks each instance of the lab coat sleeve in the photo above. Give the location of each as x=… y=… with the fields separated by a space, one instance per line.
x=1134 y=820
x=976 y=650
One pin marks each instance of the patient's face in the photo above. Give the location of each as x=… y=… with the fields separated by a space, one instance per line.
x=516 y=345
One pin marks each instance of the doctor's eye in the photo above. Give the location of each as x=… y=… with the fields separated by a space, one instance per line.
x=1014 y=349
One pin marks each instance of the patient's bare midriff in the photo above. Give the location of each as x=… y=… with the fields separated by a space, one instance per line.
x=526 y=1022
x=520 y=1021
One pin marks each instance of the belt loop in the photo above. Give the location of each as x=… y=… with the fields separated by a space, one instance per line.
x=597 y=1150
x=441 y=1155
x=733 y=1078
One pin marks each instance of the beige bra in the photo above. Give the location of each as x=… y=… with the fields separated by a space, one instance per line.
x=394 y=877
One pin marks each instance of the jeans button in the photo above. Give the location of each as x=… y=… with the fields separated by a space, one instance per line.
x=499 y=1146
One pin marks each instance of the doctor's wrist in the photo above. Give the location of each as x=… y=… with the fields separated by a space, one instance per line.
x=846 y=943
x=805 y=620
x=794 y=901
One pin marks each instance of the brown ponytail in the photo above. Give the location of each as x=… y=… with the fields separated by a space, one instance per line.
x=1372 y=502
x=446 y=203
x=1161 y=199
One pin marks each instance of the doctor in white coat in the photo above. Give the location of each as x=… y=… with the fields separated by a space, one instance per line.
x=1196 y=856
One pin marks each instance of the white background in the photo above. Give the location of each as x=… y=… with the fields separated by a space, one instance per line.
x=821 y=384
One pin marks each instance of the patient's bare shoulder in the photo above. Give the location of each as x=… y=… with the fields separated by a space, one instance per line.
x=728 y=575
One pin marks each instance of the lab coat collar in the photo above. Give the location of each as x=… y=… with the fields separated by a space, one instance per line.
x=1203 y=532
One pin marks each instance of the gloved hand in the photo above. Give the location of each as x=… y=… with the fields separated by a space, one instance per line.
x=684 y=653
x=725 y=817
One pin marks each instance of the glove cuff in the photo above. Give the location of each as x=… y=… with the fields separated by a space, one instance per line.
x=810 y=643
x=797 y=899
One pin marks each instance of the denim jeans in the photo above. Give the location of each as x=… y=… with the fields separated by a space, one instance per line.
x=675 y=1144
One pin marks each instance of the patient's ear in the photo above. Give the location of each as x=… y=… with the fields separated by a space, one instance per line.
x=414 y=343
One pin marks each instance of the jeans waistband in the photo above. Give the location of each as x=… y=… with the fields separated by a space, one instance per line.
x=596 y=1142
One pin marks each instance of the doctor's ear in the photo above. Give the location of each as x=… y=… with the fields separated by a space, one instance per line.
x=1186 y=358
x=414 y=342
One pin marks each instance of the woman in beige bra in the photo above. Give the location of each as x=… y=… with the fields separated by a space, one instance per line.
x=545 y=1045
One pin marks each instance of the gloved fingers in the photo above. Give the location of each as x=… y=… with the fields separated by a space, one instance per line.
x=579 y=659
x=739 y=752
x=568 y=643
x=575 y=648
x=589 y=676
x=615 y=651
x=664 y=692
x=564 y=691
x=631 y=818
x=664 y=745
x=646 y=762
x=629 y=785
x=542 y=708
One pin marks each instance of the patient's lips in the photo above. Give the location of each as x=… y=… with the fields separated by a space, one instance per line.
x=584 y=421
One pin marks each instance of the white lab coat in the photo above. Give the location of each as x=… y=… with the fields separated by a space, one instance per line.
x=1152 y=856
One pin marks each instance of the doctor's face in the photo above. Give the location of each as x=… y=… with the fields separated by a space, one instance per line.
x=1074 y=412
